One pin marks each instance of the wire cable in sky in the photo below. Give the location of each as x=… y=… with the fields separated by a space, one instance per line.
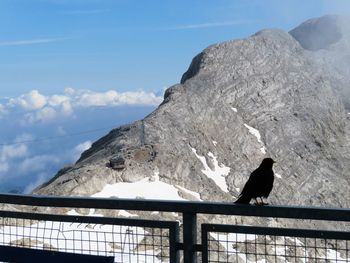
x=55 y=137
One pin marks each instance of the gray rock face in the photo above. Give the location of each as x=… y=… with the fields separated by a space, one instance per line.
x=239 y=101
x=319 y=33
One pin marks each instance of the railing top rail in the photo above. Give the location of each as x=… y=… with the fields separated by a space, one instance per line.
x=274 y=231
x=316 y=213
x=90 y=219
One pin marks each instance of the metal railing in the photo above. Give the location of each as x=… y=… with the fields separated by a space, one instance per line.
x=136 y=240
x=128 y=240
x=231 y=243
x=21 y=254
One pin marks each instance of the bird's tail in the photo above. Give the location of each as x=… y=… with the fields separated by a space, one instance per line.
x=243 y=199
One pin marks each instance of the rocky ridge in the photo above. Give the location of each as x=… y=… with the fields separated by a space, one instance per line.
x=240 y=101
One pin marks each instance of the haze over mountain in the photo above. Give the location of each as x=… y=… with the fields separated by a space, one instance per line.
x=274 y=94
x=42 y=132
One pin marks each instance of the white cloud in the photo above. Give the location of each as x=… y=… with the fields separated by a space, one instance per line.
x=2 y=109
x=37 y=163
x=30 y=41
x=83 y=146
x=113 y=98
x=17 y=159
x=57 y=100
x=67 y=108
x=45 y=114
x=11 y=152
x=30 y=101
x=79 y=149
x=139 y=97
x=38 y=107
x=69 y=91
x=42 y=115
x=98 y=99
x=41 y=178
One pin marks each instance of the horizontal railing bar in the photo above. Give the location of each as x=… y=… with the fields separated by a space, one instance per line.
x=20 y=254
x=315 y=213
x=89 y=219
x=290 y=232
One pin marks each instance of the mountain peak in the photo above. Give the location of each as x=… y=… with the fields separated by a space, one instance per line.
x=217 y=57
x=238 y=102
x=319 y=33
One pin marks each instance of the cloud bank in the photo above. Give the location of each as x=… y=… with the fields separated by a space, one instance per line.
x=38 y=164
x=21 y=159
x=13 y=152
x=37 y=107
x=42 y=133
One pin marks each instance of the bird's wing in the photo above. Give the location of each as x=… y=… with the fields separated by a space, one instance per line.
x=269 y=184
x=251 y=183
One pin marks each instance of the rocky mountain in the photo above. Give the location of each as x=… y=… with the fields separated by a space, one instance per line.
x=274 y=94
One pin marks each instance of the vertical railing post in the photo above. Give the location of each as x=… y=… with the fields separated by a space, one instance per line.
x=173 y=242
x=189 y=237
x=204 y=234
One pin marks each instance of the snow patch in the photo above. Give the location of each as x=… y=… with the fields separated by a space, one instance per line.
x=226 y=239
x=194 y=194
x=73 y=213
x=234 y=109
x=215 y=143
x=256 y=133
x=278 y=175
x=92 y=238
x=334 y=255
x=218 y=174
x=147 y=188
x=91 y=213
x=125 y=213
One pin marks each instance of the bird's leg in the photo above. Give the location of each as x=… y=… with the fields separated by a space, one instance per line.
x=261 y=201
x=256 y=201
x=264 y=201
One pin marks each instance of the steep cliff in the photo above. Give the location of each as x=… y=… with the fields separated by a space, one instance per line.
x=268 y=95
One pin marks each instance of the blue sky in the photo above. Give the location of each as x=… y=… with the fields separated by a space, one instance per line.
x=70 y=70
x=127 y=44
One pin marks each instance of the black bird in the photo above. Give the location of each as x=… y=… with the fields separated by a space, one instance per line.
x=259 y=184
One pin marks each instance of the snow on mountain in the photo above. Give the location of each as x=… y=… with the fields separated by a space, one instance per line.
x=234 y=109
x=218 y=173
x=147 y=188
x=256 y=133
x=278 y=175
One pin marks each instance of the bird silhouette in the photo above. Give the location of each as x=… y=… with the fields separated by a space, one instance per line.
x=259 y=184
